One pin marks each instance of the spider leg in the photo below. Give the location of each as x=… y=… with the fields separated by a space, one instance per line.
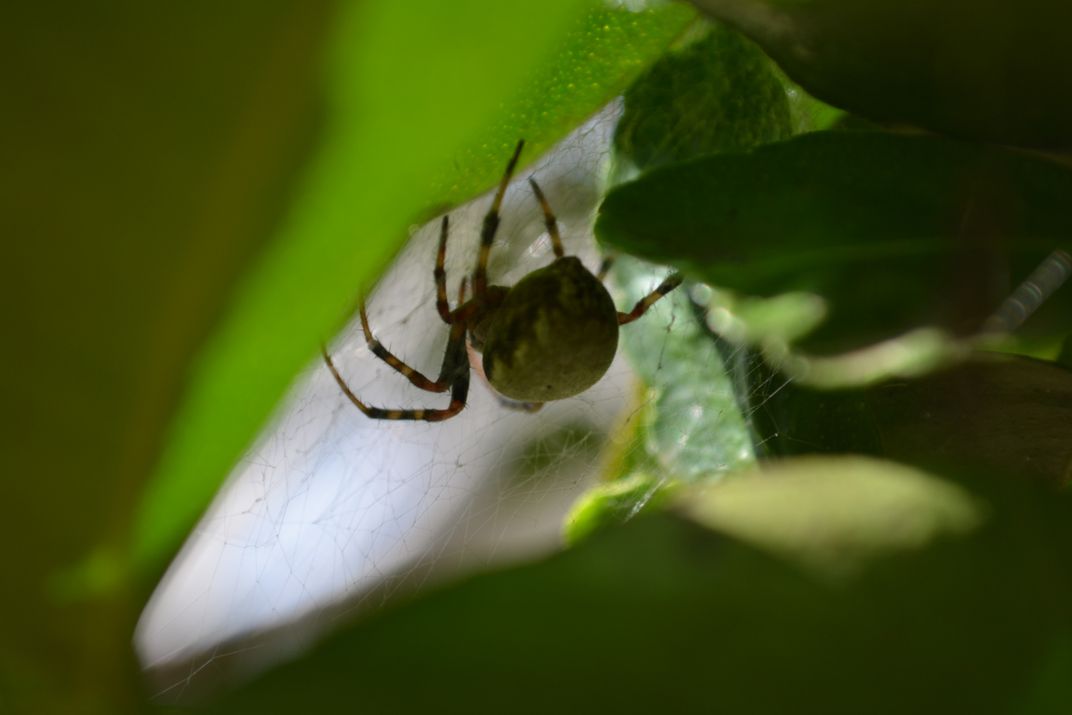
x=672 y=281
x=440 y=274
x=491 y=225
x=529 y=407
x=455 y=369
x=549 y=220
x=604 y=267
x=417 y=378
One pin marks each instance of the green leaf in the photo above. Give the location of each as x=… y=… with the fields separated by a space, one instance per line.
x=377 y=167
x=986 y=70
x=147 y=148
x=719 y=93
x=834 y=515
x=894 y=232
x=771 y=325
x=1065 y=356
x=613 y=503
x=1052 y=690
x=660 y=613
x=194 y=195
x=692 y=426
x=996 y=412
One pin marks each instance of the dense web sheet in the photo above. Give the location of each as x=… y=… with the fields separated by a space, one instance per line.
x=330 y=511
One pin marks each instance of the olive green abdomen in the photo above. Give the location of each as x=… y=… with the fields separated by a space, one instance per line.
x=554 y=335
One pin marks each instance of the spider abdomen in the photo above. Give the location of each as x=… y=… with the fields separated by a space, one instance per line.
x=553 y=336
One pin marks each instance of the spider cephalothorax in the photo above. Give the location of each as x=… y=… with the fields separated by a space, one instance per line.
x=550 y=336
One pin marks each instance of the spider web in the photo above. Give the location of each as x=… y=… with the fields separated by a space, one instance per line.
x=331 y=514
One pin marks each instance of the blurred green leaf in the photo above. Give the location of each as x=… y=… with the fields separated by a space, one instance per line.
x=146 y=152
x=660 y=614
x=194 y=196
x=1052 y=689
x=995 y=412
x=807 y=113
x=771 y=325
x=834 y=515
x=752 y=320
x=612 y=503
x=376 y=168
x=894 y=232
x=988 y=70
x=593 y=63
x=1065 y=356
x=719 y=93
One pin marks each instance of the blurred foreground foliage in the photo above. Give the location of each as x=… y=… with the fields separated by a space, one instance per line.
x=668 y=614
x=182 y=200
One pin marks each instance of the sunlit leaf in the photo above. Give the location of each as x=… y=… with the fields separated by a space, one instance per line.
x=834 y=514
x=613 y=503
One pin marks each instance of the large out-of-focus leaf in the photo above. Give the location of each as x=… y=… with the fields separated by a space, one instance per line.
x=660 y=615
x=834 y=515
x=1065 y=356
x=146 y=151
x=985 y=69
x=894 y=231
x=418 y=89
x=994 y=412
x=192 y=197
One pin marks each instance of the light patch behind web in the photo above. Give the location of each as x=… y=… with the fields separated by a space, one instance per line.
x=331 y=505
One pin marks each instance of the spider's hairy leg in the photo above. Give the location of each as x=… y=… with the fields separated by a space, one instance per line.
x=417 y=378
x=491 y=225
x=672 y=281
x=549 y=219
x=604 y=267
x=440 y=274
x=529 y=407
x=455 y=367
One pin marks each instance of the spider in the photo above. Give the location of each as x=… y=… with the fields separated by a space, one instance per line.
x=550 y=336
